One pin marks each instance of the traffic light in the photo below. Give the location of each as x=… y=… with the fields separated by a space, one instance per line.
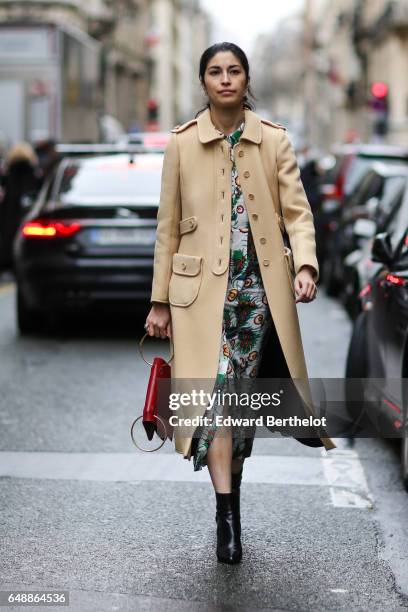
x=152 y=108
x=380 y=107
x=152 y=124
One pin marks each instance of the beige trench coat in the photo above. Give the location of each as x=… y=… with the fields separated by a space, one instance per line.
x=192 y=247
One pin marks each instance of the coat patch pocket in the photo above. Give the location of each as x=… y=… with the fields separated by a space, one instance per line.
x=188 y=224
x=185 y=280
x=290 y=267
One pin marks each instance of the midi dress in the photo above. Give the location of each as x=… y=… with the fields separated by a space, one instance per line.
x=246 y=323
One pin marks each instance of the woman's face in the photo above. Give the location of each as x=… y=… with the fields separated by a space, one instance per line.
x=225 y=80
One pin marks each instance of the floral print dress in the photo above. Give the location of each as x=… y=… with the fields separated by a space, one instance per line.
x=246 y=320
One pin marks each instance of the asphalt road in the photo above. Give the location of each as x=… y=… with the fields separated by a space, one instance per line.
x=82 y=510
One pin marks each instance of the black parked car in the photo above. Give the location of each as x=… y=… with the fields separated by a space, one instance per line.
x=331 y=192
x=356 y=193
x=89 y=239
x=372 y=218
x=378 y=349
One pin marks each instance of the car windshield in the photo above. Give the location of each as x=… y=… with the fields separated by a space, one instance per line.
x=111 y=180
x=391 y=197
x=361 y=164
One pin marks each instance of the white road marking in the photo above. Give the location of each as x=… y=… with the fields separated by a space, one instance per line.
x=346 y=478
x=137 y=466
x=343 y=473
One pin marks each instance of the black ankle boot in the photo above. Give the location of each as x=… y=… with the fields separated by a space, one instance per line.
x=236 y=494
x=229 y=548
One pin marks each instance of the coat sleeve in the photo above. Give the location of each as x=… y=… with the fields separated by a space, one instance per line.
x=296 y=210
x=168 y=218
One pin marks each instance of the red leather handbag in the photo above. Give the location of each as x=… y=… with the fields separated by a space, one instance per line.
x=156 y=411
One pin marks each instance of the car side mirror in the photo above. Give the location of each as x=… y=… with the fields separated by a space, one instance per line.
x=381 y=249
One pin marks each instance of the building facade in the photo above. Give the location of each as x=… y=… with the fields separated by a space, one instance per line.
x=64 y=64
x=352 y=45
x=178 y=34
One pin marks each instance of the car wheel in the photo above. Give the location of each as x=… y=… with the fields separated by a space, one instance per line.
x=357 y=368
x=29 y=320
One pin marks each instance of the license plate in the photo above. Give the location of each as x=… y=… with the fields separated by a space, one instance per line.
x=107 y=236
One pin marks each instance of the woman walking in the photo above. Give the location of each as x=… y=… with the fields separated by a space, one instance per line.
x=222 y=288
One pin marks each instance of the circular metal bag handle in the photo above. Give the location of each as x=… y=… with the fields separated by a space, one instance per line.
x=141 y=350
x=147 y=450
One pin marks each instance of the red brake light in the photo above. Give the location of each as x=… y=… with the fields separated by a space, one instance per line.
x=339 y=186
x=396 y=280
x=49 y=229
x=365 y=291
x=330 y=193
x=392 y=406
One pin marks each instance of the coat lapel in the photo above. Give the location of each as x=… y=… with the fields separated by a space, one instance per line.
x=207 y=132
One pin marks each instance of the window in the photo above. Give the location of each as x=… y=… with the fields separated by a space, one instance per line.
x=397 y=223
x=391 y=200
x=359 y=167
x=111 y=180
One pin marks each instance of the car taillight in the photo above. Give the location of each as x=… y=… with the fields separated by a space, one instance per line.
x=392 y=405
x=365 y=291
x=395 y=280
x=49 y=229
x=339 y=186
x=330 y=192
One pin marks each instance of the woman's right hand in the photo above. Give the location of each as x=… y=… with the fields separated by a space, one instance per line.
x=158 y=321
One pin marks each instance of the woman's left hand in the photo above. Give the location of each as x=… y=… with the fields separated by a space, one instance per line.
x=304 y=285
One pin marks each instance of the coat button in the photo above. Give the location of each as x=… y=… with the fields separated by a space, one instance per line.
x=241 y=154
x=251 y=196
x=266 y=262
x=183 y=266
x=246 y=174
x=262 y=240
x=254 y=216
x=191 y=223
